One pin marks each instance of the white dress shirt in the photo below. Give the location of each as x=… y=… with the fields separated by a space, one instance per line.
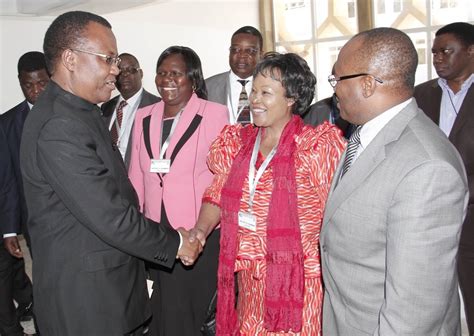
x=451 y=103
x=234 y=94
x=129 y=111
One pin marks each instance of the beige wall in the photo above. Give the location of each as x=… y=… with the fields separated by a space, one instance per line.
x=205 y=26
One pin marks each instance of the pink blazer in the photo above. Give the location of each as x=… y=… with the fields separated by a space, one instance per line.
x=189 y=175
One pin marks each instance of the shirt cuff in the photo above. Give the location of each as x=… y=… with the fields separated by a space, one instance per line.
x=6 y=235
x=180 y=240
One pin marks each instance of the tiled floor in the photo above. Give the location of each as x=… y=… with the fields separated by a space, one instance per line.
x=29 y=327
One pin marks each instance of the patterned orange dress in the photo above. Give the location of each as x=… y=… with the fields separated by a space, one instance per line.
x=318 y=152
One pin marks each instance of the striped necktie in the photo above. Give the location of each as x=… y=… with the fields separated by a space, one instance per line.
x=244 y=108
x=352 y=146
x=115 y=131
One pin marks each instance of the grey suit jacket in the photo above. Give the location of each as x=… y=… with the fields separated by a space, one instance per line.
x=108 y=109
x=218 y=88
x=87 y=234
x=390 y=235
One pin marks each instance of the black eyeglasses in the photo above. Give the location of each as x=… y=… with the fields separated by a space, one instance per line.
x=108 y=59
x=129 y=71
x=247 y=51
x=333 y=79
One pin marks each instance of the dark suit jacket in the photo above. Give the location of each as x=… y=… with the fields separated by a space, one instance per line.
x=86 y=230
x=9 y=198
x=218 y=88
x=108 y=109
x=428 y=96
x=11 y=123
x=320 y=111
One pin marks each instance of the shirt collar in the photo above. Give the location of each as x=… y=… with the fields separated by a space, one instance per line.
x=464 y=87
x=133 y=99
x=234 y=78
x=371 y=128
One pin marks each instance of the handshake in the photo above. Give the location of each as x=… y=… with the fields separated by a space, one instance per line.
x=191 y=246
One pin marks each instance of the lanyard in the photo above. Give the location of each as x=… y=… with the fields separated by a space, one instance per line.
x=253 y=179
x=166 y=144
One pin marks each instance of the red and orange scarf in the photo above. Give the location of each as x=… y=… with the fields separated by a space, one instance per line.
x=284 y=283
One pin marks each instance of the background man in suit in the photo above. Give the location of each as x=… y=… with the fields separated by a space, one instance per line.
x=87 y=235
x=33 y=77
x=227 y=88
x=397 y=202
x=449 y=102
x=129 y=84
x=9 y=202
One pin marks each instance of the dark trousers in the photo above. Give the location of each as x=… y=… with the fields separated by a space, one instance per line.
x=466 y=267
x=181 y=296
x=14 y=285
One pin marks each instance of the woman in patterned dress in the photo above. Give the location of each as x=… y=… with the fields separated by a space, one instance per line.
x=269 y=190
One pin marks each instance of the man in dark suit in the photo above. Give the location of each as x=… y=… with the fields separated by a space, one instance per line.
x=326 y=110
x=9 y=202
x=129 y=84
x=87 y=234
x=449 y=102
x=33 y=77
x=226 y=88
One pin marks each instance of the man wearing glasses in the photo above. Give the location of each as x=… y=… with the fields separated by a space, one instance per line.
x=390 y=234
x=232 y=88
x=87 y=234
x=119 y=112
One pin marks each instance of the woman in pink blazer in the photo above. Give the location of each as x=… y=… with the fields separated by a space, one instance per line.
x=168 y=169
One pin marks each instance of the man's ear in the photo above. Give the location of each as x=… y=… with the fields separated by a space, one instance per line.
x=368 y=86
x=69 y=59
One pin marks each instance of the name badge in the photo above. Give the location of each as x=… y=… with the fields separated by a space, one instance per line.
x=160 y=166
x=248 y=221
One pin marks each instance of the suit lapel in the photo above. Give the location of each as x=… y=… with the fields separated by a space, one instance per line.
x=367 y=162
x=191 y=109
x=464 y=113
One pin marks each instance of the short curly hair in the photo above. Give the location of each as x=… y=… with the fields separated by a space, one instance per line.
x=294 y=74
x=66 y=32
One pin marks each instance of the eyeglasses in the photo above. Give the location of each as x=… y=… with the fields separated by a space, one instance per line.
x=247 y=51
x=129 y=71
x=108 y=59
x=333 y=80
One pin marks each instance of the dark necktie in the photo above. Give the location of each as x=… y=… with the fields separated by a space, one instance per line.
x=351 y=151
x=115 y=131
x=244 y=108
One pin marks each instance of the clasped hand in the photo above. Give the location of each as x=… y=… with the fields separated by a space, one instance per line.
x=190 y=248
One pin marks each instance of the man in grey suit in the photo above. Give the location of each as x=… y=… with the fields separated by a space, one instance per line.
x=244 y=53
x=393 y=217
x=87 y=234
x=129 y=84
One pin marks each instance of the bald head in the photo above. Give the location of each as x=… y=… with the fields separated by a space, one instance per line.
x=390 y=54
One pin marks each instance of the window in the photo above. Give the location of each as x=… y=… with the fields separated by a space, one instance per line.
x=317 y=29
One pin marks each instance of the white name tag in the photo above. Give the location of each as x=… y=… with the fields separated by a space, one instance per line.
x=160 y=166
x=248 y=221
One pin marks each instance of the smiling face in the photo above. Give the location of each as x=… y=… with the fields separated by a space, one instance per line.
x=172 y=82
x=93 y=79
x=451 y=58
x=268 y=102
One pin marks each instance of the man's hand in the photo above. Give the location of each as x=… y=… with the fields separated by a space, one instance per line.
x=12 y=246
x=189 y=251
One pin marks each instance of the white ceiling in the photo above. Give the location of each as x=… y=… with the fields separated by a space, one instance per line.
x=56 y=7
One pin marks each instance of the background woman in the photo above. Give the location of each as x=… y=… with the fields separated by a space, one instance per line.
x=271 y=183
x=168 y=170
